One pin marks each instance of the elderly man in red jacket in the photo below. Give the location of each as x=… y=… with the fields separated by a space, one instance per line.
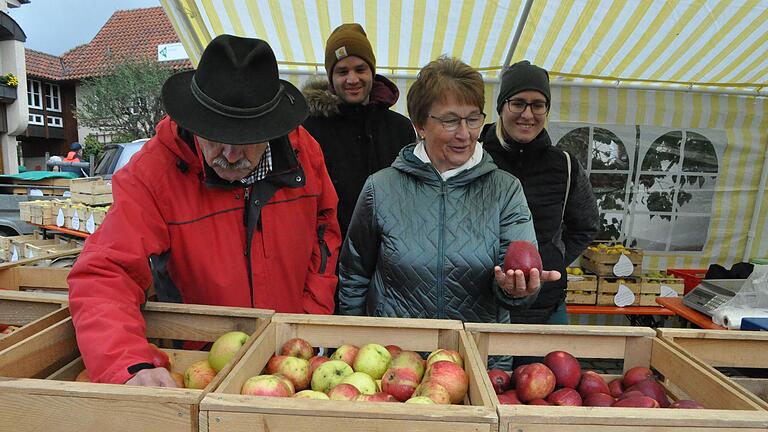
x=231 y=201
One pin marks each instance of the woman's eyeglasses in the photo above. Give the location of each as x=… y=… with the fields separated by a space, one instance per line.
x=450 y=124
x=517 y=106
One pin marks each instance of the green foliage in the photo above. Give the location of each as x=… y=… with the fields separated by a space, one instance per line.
x=126 y=101
x=92 y=146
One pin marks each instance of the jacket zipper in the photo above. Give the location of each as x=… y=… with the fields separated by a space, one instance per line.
x=325 y=251
x=247 y=253
x=440 y=253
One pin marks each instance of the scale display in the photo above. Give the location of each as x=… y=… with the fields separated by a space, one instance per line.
x=710 y=294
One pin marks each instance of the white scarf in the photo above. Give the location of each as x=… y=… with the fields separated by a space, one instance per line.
x=421 y=152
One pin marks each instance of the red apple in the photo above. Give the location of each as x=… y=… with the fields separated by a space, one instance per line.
x=445 y=354
x=376 y=397
x=434 y=391
x=83 y=376
x=159 y=357
x=400 y=383
x=451 y=376
x=616 y=387
x=592 y=382
x=266 y=385
x=599 y=400
x=316 y=361
x=566 y=396
x=343 y=392
x=345 y=353
x=522 y=255
x=394 y=350
x=635 y=375
x=631 y=393
x=178 y=378
x=509 y=398
x=686 y=403
x=653 y=389
x=636 y=402
x=566 y=368
x=198 y=375
x=294 y=368
x=538 y=402
x=411 y=360
x=297 y=347
x=534 y=381
x=500 y=380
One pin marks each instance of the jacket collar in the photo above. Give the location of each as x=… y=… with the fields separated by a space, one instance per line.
x=491 y=142
x=323 y=102
x=409 y=163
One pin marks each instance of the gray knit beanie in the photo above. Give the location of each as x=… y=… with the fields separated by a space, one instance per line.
x=520 y=77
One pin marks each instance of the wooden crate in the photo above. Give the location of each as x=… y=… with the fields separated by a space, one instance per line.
x=601 y=263
x=87 y=199
x=30 y=312
x=652 y=285
x=725 y=348
x=583 y=291
x=730 y=409
x=38 y=372
x=31 y=277
x=90 y=186
x=226 y=410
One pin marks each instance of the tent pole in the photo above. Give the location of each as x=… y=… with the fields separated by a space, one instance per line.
x=756 y=213
x=518 y=33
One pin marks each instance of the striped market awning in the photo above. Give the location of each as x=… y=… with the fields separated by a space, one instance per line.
x=690 y=44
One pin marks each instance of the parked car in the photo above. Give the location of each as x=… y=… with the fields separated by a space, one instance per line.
x=115 y=156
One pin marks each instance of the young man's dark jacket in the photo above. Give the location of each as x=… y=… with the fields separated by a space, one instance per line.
x=542 y=170
x=357 y=140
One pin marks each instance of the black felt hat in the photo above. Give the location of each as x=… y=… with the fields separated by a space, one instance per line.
x=236 y=95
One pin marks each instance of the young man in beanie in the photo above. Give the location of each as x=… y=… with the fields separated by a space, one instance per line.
x=556 y=186
x=350 y=116
x=230 y=201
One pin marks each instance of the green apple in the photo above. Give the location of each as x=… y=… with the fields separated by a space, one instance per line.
x=330 y=373
x=445 y=354
x=420 y=400
x=310 y=394
x=198 y=375
x=362 y=381
x=225 y=347
x=372 y=359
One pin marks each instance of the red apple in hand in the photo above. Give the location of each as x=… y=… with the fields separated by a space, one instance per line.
x=522 y=255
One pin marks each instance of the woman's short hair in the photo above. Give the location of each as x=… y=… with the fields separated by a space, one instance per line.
x=439 y=78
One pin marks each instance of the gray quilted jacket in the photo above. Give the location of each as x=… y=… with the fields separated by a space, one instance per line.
x=421 y=247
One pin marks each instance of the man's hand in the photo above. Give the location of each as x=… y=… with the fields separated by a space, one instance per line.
x=513 y=281
x=157 y=377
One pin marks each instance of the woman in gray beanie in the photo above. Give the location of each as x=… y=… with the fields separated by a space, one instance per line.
x=557 y=188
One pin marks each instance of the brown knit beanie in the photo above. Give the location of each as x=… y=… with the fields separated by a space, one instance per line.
x=348 y=40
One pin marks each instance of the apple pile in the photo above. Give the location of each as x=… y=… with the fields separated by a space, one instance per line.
x=7 y=329
x=199 y=374
x=373 y=373
x=559 y=380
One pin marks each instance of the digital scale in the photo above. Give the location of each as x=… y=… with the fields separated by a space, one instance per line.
x=710 y=294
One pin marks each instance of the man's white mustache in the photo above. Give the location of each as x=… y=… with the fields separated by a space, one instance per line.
x=222 y=162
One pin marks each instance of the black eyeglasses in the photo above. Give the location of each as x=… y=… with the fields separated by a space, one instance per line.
x=517 y=106
x=450 y=124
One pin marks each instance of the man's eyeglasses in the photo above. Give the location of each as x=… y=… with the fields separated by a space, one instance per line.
x=450 y=124
x=517 y=106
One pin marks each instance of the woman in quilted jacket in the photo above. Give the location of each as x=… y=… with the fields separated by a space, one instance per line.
x=428 y=234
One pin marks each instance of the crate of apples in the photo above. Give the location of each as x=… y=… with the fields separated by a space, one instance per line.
x=398 y=372
x=554 y=391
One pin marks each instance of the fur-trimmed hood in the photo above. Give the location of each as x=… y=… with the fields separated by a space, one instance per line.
x=323 y=102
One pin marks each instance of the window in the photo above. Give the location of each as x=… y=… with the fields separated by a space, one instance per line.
x=52 y=97
x=36 y=119
x=34 y=98
x=55 y=121
x=654 y=187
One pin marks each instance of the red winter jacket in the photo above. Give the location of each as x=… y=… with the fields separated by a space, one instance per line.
x=165 y=206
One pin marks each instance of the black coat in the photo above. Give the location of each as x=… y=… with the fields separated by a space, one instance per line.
x=542 y=169
x=357 y=140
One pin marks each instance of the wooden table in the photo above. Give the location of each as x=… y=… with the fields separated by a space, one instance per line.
x=636 y=315
x=676 y=305
x=63 y=230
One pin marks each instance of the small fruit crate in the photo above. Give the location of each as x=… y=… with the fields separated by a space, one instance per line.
x=91 y=191
x=607 y=287
x=581 y=289
x=651 y=283
x=22 y=278
x=728 y=409
x=744 y=350
x=25 y=314
x=227 y=410
x=38 y=375
x=599 y=258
